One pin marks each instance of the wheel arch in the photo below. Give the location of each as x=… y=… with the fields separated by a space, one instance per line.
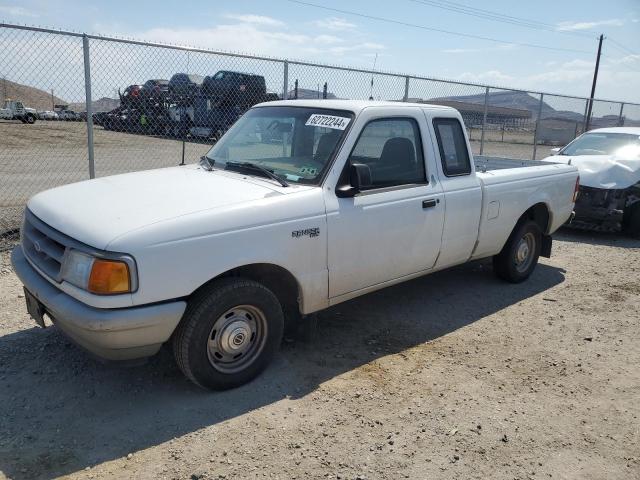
x=279 y=280
x=540 y=213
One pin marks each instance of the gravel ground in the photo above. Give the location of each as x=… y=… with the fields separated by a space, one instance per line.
x=454 y=375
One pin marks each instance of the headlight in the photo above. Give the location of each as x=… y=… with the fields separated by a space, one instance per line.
x=96 y=275
x=76 y=268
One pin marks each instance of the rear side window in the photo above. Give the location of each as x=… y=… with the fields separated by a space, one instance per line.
x=453 y=147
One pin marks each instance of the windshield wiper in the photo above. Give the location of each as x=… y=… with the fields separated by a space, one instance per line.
x=207 y=162
x=258 y=168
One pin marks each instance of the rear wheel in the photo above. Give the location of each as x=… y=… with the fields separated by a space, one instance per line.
x=631 y=220
x=30 y=118
x=519 y=257
x=229 y=333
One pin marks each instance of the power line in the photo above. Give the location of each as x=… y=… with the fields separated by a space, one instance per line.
x=624 y=50
x=621 y=47
x=621 y=66
x=497 y=17
x=439 y=30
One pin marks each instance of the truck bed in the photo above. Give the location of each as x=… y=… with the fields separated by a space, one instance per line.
x=486 y=163
x=510 y=186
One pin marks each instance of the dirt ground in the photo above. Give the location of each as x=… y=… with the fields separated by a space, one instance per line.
x=454 y=375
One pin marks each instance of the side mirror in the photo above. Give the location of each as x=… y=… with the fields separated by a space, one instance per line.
x=556 y=150
x=359 y=178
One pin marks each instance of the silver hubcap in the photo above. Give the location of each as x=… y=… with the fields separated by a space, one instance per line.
x=237 y=338
x=524 y=252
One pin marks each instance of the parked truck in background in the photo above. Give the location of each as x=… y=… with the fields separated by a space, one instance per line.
x=186 y=104
x=15 y=110
x=301 y=205
x=184 y=86
x=221 y=100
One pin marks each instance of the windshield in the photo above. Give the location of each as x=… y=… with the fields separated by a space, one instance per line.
x=296 y=143
x=604 y=144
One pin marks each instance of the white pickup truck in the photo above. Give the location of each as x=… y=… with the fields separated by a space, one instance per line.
x=17 y=111
x=346 y=197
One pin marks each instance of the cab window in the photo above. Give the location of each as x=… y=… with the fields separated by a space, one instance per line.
x=452 y=146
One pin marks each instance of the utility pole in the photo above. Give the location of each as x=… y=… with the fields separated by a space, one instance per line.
x=593 y=87
x=53 y=102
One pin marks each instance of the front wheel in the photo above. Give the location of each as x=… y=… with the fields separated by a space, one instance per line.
x=229 y=333
x=519 y=257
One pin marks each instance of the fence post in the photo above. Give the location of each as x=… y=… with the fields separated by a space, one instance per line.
x=620 y=118
x=89 y=106
x=484 y=119
x=406 y=89
x=535 y=131
x=285 y=85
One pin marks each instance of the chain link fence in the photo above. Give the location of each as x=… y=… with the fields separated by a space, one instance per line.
x=82 y=106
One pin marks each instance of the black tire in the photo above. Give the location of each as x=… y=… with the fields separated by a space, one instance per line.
x=30 y=119
x=631 y=220
x=212 y=318
x=516 y=261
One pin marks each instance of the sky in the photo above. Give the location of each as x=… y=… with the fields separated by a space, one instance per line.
x=407 y=42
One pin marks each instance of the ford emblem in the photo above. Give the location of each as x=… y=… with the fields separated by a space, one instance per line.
x=37 y=247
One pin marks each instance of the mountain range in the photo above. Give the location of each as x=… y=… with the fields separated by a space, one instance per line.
x=521 y=101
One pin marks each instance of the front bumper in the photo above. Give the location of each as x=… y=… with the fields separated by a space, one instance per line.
x=600 y=209
x=112 y=334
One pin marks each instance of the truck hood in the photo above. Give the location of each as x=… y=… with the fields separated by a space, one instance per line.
x=98 y=211
x=603 y=171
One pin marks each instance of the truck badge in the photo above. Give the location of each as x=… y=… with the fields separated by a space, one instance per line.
x=311 y=232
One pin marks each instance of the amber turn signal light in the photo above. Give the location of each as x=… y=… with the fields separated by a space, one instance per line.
x=576 y=191
x=109 y=277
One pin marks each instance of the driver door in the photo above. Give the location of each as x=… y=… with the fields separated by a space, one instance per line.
x=393 y=228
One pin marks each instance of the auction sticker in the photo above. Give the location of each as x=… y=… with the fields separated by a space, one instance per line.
x=328 y=121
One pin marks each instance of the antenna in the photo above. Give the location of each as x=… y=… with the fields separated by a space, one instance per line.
x=375 y=60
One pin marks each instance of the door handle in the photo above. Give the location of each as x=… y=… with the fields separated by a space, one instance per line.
x=431 y=202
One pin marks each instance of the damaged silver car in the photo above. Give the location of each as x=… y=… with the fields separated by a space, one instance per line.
x=608 y=160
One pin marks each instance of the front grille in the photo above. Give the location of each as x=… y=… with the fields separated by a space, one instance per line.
x=43 y=245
